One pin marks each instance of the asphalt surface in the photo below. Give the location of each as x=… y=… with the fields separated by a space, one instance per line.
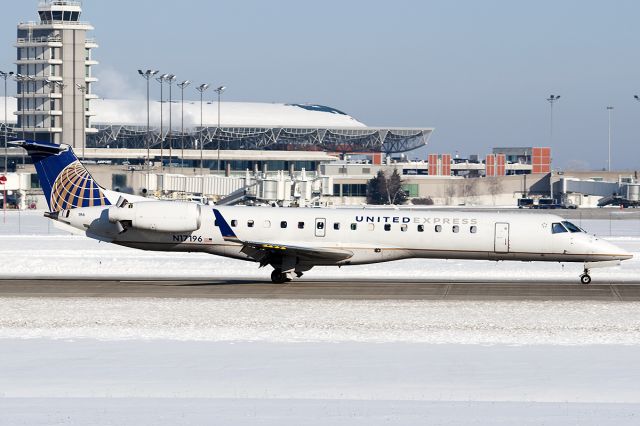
x=310 y=289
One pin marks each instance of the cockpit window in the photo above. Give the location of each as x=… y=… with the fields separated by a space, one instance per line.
x=557 y=228
x=571 y=227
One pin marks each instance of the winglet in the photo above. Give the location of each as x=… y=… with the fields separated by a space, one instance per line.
x=225 y=229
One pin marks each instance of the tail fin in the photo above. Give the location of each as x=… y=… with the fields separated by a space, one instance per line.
x=66 y=183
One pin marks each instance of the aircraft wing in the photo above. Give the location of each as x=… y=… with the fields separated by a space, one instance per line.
x=260 y=250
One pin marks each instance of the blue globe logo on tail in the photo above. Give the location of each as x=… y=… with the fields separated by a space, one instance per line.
x=65 y=181
x=74 y=187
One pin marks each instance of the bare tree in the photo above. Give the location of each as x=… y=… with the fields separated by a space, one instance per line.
x=470 y=189
x=494 y=186
x=450 y=191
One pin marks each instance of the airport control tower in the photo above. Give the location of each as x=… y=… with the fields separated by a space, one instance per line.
x=54 y=75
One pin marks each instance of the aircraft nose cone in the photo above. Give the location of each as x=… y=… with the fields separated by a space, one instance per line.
x=616 y=252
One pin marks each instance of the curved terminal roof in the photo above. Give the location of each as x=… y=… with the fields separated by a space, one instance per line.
x=243 y=126
x=232 y=114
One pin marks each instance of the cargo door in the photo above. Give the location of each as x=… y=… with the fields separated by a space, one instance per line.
x=501 y=240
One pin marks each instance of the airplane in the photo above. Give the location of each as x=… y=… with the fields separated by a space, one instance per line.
x=294 y=240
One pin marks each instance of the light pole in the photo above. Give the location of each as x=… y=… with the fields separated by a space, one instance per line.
x=609 y=110
x=219 y=91
x=161 y=80
x=5 y=75
x=83 y=90
x=147 y=75
x=551 y=99
x=22 y=79
x=201 y=89
x=170 y=79
x=182 y=87
x=52 y=88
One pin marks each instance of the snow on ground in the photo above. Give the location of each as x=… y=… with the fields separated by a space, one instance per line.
x=373 y=321
x=85 y=361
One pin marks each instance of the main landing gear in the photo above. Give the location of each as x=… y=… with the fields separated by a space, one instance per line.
x=585 y=278
x=279 y=277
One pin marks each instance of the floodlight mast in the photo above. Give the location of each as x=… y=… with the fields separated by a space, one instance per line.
x=161 y=79
x=219 y=91
x=609 y=110
x=83 y=89
x=182 y=86
x=170 y=79
x=147 y=75
x=5 y=75
x=202 y=88
x=551 y=99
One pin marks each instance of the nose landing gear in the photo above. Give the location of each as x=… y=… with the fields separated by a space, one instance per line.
x=585 y=278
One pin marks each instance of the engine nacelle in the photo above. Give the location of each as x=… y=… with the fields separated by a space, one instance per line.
x=163 y=216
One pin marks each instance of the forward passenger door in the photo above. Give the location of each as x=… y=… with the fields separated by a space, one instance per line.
x=501 y=239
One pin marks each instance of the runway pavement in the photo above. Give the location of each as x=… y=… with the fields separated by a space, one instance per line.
x=325 y=289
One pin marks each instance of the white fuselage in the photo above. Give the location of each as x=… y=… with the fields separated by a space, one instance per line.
x=370 y=234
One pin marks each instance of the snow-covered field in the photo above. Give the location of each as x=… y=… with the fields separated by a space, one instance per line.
x=152 y=361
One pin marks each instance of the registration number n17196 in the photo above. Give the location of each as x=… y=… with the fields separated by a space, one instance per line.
x=187 y=238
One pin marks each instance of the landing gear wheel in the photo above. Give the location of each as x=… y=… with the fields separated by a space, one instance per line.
x=585 y=279
x=279 y=277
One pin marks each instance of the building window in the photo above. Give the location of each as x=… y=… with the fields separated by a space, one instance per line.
x=301 y=225
x=336 y=189
x=455 y=229
x=438 y=228
x=35 y=182
x=354 y=226
x=336 y=226
x=387 y=227
x=411 y=189
x=354 y=190
x=250 y=223
x=283 y=224
x=420 y=228
x=473 y=229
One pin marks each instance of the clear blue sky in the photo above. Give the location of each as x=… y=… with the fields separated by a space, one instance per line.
x=477 y=71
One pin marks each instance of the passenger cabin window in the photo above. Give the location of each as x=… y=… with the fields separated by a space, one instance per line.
x=283 y=224
x=336 y=226
x=420 y=228
x=354 y=226
x=403 y=228
x=473 y=229
x=455 y=229
x=319 y=225
x=267 y=224
x=387 y=227
x=438 y=228
x=234 y=223
x=215 y=222
x=301 y=225
x=571 y=227
x=250 y=223
x=558 y=228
